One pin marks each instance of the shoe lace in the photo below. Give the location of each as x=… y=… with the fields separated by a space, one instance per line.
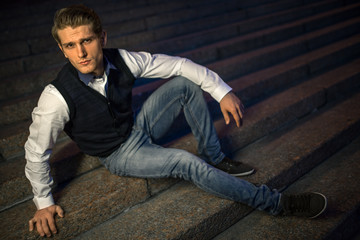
x=299 y=203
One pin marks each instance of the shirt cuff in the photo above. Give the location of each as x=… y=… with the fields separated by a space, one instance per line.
x=45 y=202
x=221 y=91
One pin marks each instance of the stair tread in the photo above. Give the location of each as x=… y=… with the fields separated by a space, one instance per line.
x=336 y=178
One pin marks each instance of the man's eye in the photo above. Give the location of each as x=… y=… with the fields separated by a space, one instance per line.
x=87 y=40
x=69 y=45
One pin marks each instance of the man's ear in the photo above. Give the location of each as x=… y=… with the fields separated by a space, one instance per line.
x=103 y=39
x=62 y=50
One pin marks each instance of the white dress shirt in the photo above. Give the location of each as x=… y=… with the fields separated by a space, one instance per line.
x=52 y=112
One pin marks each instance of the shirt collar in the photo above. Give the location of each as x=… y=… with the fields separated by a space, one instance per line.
x=87 y=78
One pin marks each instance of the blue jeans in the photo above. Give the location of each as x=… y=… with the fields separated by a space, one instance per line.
x=140 y=157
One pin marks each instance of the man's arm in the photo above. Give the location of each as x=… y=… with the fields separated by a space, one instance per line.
x=218 y=89
x=49 y=118
x=146 y=65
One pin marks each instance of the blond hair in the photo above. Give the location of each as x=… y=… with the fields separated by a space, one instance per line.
x=74 y=16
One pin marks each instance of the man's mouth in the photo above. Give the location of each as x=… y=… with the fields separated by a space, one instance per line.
x=85 y=62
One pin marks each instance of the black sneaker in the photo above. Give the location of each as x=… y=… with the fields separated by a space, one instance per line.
x=236 y=169
x=309 y=205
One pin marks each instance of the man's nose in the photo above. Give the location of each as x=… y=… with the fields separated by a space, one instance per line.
x=81 y=51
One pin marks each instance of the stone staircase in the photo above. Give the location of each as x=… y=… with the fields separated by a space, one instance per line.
x=296 y=66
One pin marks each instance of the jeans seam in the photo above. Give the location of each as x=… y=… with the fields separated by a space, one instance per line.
x=197 y=125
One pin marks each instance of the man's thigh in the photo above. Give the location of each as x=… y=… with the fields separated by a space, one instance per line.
x=153 y=161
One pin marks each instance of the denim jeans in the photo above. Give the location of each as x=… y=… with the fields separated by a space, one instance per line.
x=140 y=157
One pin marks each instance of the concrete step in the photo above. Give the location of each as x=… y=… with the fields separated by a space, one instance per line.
x=293 y=110
x=337 y=179
x=258 y=28
x=270 y=55
x=185 y=212
x=294 y=70
x=203 y=24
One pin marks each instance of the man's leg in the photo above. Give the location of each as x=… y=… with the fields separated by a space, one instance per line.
x=164 y=106
x=138 y=157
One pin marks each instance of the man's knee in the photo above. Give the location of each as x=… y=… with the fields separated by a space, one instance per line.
x=186 y=84
x=188 y=164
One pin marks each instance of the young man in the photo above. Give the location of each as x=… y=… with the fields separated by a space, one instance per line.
x=91 y=100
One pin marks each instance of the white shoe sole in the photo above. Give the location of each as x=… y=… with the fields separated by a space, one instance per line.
x=325 y=205
x=243 y=173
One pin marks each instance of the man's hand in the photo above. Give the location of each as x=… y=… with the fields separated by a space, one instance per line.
x=232 y=104
x=45 y=221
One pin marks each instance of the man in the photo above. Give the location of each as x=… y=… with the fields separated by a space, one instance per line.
x=91 y=100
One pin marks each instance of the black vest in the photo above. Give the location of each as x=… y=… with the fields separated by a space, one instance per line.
x=99 y=125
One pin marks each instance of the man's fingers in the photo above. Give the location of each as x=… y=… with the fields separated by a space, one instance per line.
x=241 y=110
x=236 y=114
x=236 y=117
x=59 y=211
x=241 y=114
x=226 y=116
x=45 y=228
x=39 y=228
x=31 y=225
x=52 y=225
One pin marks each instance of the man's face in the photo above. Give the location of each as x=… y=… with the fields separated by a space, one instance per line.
x=83 y=48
